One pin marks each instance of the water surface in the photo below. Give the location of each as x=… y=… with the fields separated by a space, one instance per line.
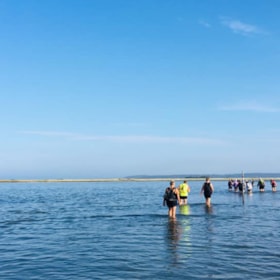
x=120 y=230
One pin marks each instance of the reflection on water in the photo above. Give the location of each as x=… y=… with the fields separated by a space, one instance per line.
x=209 y=220
x=208 y=209
x=174 y=232
x=178 y=237
x=186 y=229
x=185 y=209
x=186 y=239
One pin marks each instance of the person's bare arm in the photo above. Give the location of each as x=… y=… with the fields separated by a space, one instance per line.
x=202 y=188
x=178 y=197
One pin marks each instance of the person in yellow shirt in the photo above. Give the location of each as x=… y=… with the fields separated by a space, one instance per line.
x=184 y=190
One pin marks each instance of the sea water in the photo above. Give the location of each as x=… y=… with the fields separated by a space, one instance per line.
x=120 y=230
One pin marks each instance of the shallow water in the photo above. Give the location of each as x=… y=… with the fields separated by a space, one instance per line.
x=121 y=231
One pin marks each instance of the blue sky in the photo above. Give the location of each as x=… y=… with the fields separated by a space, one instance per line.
x=112 y=88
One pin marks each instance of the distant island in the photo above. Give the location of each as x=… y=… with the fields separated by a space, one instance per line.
x=139 y=178
x=203 y=175
x=218 y=176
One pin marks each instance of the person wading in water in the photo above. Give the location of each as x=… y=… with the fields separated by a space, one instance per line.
x=171 y=198
x=207 y=189
x=184 y=190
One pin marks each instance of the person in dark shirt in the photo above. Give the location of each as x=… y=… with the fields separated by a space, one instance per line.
x=207 y=189
x=171 y=198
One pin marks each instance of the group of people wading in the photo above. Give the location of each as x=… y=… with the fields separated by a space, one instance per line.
x=247 y=185
x=174 y=196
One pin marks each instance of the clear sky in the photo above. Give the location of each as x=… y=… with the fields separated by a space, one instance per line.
x=113 y=88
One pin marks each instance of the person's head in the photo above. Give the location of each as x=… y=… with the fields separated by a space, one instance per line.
x=207 y=179
x=172 y=183
x=185 y=181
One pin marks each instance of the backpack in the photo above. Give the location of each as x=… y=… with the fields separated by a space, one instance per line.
x=170 y=195
x=261 y=183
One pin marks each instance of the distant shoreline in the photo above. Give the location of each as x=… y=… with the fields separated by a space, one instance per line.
x=122 y=180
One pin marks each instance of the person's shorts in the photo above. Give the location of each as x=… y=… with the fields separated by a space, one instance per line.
x=171 y=203
x=207 y=194
x=183 y=197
